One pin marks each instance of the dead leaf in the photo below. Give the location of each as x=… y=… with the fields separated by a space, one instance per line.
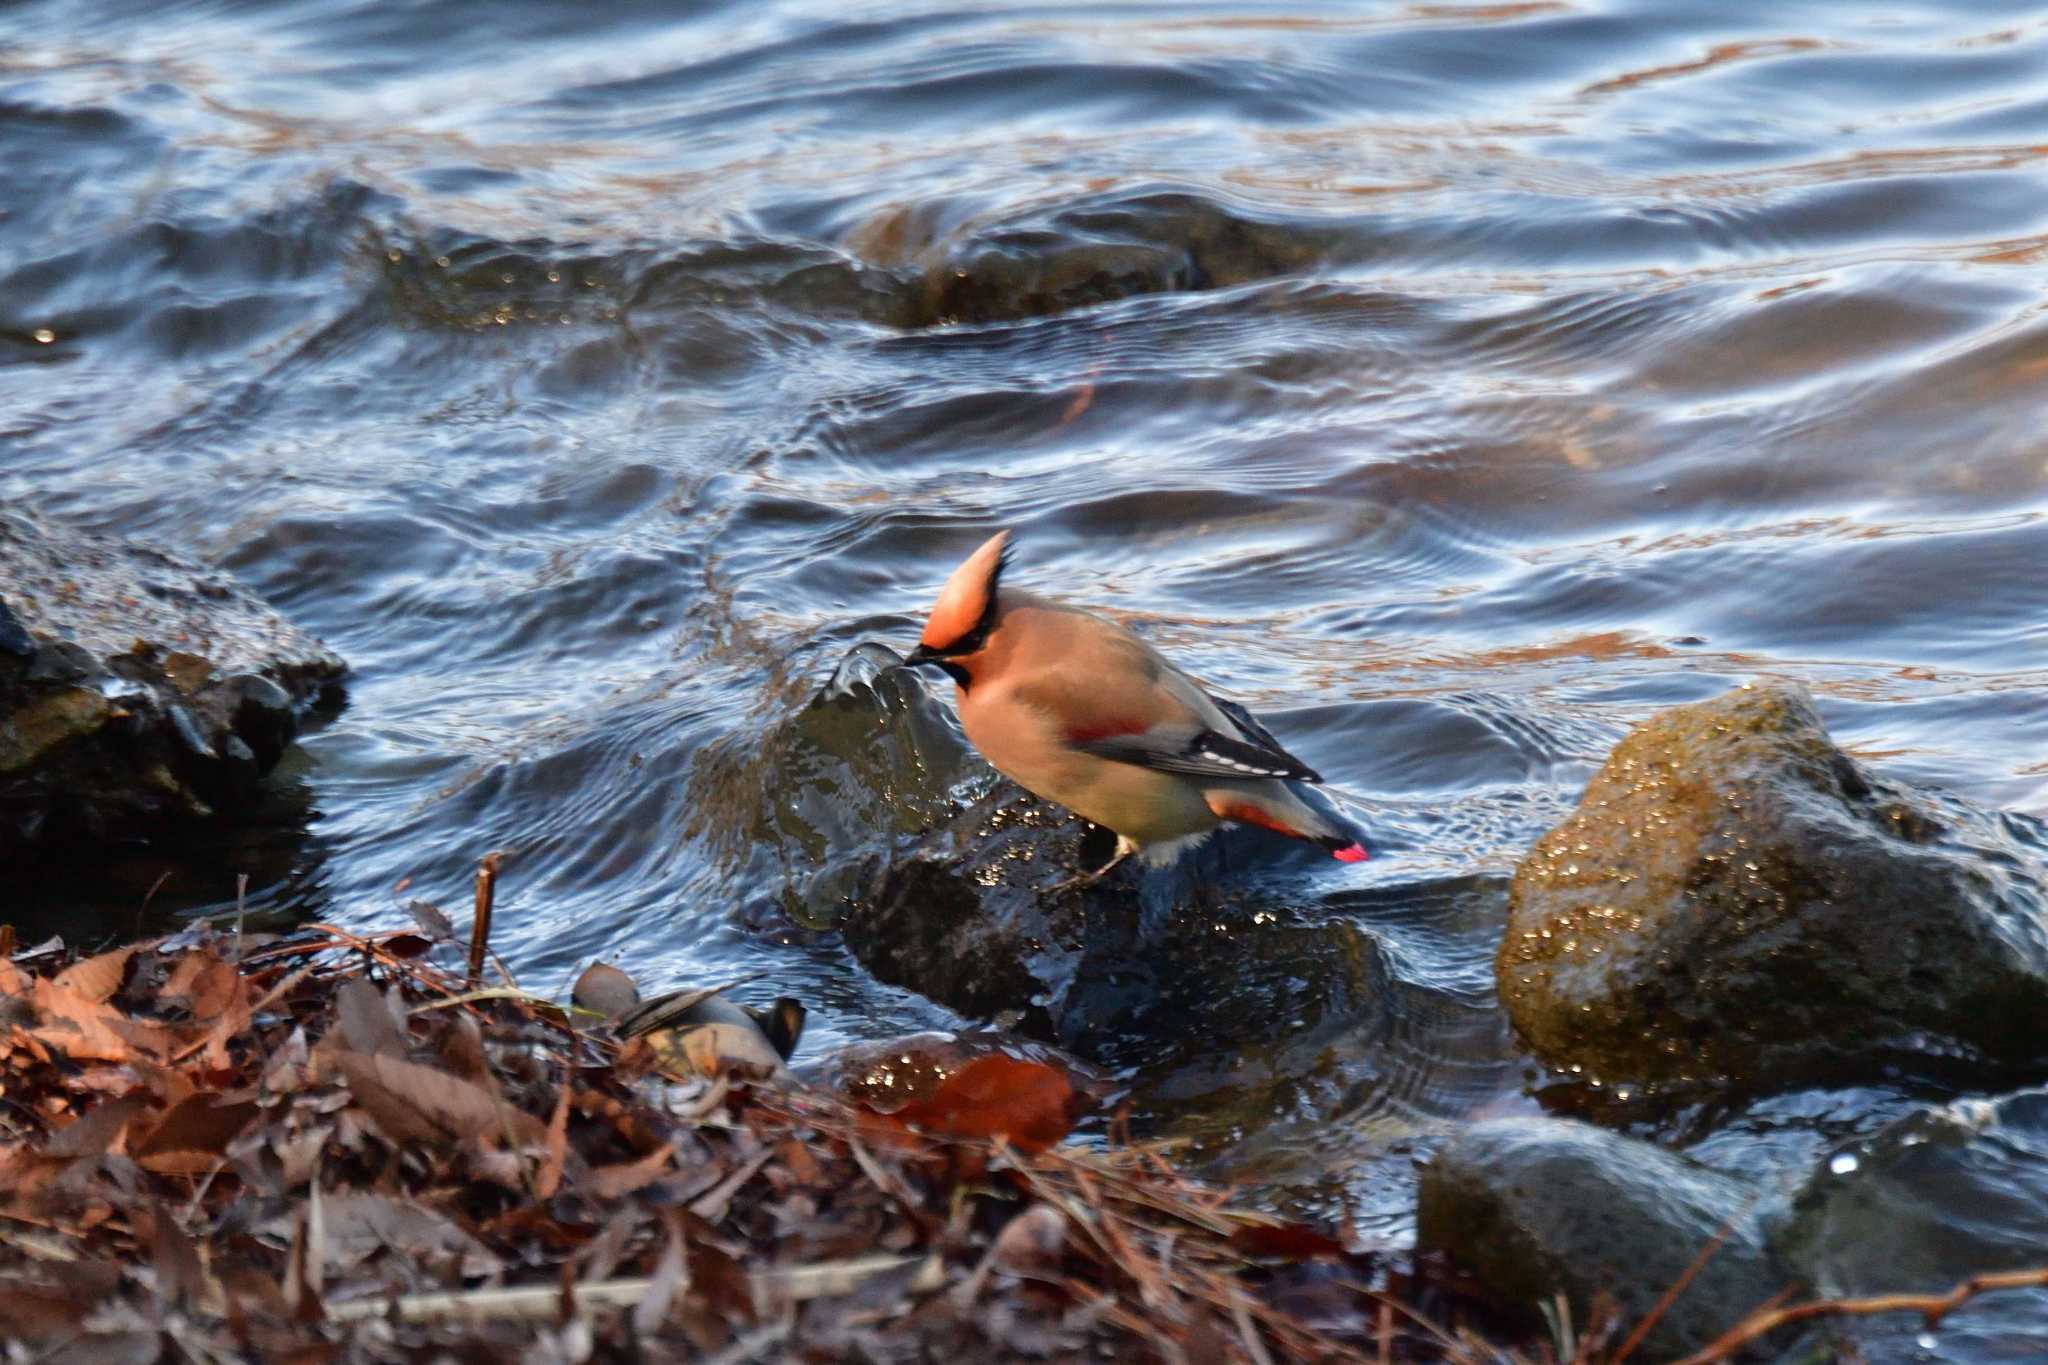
x=97 y=978
x=1284 y=1241
x=615 y=1181
x=429 y=918
x=366 y=1022
x=82 y=1028
x=92 y=1135
x=549 y=1177
x=360 y=1225
x=1028 y=1104
x=193 y=1134
x=35 y=1311
x=407 y=946
x=414 y=1103
x=180 y=1278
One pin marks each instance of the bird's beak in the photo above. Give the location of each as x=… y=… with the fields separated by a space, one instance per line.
x=921 y=657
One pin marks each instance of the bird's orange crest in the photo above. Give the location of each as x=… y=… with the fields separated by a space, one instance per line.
x=969 y=595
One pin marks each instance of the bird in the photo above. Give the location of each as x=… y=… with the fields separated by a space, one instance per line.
x=695 y=1032
x=1078 y=710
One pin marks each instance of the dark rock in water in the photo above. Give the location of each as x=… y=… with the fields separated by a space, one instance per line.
x=136 y=689
x=1922 y=1206
x=1539 y=1207
x=1124 y=245
x=894 y=1072
x=969 y=919
x=1735 y=898
x=939 y=876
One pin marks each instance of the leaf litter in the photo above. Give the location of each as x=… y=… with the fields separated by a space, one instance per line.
x=325 y=1148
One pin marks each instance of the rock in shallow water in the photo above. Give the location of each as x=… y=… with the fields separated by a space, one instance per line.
x=136 y=689
x=1540 y=1207
x=1735 y=898
x=1920 y=1207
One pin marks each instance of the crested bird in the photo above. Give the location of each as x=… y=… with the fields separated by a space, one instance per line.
x=1076 y=709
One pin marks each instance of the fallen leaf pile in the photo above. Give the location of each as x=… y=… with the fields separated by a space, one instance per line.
x=321 y=1148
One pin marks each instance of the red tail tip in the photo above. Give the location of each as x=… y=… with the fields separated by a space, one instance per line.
x=1354 y=853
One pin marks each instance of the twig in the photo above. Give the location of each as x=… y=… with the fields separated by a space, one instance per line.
x=795 y=1284
x=241 y=912
x=1934 y=1307
x=480 y=931
x=1677 y=1287
x=1247 y=1332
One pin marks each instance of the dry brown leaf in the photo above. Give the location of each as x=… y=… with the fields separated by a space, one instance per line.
x=180 y=1279
x=97 y=978
x=612 y=1182
x=1029 y=1104
x=549 y=1178
x=94 y=1134
x=82 y=1028
x=195 y=980
x=360 y=1225
x=366 y=1023
x=193 y=1134
x=414 y=1103
x=34 y=1312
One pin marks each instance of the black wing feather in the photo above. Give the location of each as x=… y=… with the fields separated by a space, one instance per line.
x=1206 y=754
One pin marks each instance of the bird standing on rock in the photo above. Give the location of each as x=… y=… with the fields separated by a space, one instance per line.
x=1078 y=710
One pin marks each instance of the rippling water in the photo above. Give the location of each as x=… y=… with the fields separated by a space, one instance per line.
x=1455 y=384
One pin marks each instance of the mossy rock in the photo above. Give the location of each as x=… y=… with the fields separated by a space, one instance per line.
x=1735 y=899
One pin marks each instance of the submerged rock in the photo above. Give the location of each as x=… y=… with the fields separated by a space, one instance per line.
x=136 y=689
x=1922 y=1206
x=959 y=267
x=1539 y=1207
x=1736 y=898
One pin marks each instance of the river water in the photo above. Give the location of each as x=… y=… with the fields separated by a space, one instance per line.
x=1454 y=384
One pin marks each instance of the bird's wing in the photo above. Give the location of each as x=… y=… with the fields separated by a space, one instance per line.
x=1247 y=724
x=666 y=1011
x=1114 y=696
x=1200 y=752
x=1195 y=734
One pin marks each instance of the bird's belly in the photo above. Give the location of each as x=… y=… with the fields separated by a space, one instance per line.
x=1142 y=805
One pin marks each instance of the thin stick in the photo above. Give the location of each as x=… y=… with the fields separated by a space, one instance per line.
x=1934 y=1307
x=1677 y=1287
x=241 y=911
x=528 y=1302
x=480 y=931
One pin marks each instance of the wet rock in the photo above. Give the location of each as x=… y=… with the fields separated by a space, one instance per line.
x=1920 y=1207
x=1736 y=898
x=1230 y=972
x=964 y=269
x=1539 y=1207
x=894 y=1072
x=971 y=919
x=135 y=689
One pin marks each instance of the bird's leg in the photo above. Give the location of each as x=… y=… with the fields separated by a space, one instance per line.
x=1124 y=849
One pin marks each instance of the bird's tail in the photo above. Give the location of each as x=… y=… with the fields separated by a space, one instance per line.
x=1292 y=809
